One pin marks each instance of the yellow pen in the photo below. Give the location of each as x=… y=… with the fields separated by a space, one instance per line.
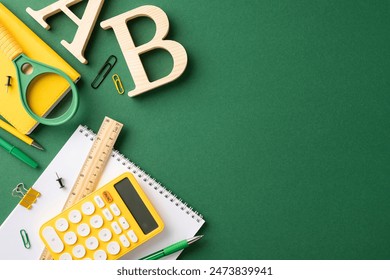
x=19 y=135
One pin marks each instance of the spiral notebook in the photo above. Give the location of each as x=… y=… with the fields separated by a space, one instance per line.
x=180 y=220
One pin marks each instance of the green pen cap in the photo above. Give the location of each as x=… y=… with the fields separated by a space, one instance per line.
x=23 y=157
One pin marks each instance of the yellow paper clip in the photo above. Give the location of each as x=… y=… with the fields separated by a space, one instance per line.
x=118 y=84
x=27 y=196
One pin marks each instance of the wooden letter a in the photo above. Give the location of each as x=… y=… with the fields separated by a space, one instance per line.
x=132 y=53
x=85 y=24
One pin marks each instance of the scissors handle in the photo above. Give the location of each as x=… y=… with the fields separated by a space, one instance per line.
x=8 y=45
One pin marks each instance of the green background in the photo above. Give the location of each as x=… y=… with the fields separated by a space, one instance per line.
x=277 y=132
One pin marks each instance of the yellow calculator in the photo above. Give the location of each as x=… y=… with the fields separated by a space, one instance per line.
x=104 y=225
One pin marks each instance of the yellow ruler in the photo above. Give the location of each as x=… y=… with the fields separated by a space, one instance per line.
x=93 y=166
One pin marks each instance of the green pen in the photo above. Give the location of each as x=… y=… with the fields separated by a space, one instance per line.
x=18 y=153
x=172 y=248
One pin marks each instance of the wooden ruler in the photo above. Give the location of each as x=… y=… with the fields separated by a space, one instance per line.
x=93 y=166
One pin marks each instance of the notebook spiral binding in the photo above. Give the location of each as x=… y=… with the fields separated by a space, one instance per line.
x=138 y=172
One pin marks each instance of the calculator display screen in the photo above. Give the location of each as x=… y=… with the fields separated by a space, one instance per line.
x=136 y=206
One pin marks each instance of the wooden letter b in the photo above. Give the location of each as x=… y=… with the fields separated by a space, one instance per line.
x=132 y=53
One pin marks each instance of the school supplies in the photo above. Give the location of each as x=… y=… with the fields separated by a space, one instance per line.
x=10 y=129
x=25 y=239
x=93 y=166
x=180 y=220
x=172 y=248
x=105 y=225
x=96 y=160
x=28 y=70
x=118 y=84
x=27 y=196
x=18 y=153
x=46 y=92
x=104 y=70
x=60 y=182
x=8 y=84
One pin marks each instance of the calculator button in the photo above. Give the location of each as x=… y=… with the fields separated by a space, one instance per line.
x=107 y=197
x=116 y=228
x=123 y=222
x=107 y=214
x=99 y=201
x=62 y=224
x=79 y=251
x=52 y=239
x=115 y=209
x=66 y=257
x=113 y=248
x=70 y=238
x=100 y=255
x=92 y=243
x=96 y=221
x=132 y=236
x=105 y=235
x=74 y=216
x=83 y=229
x=125 y=242
x=88 y=208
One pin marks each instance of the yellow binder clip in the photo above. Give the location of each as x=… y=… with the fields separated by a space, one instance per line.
x=27 y=196
x=118 y=84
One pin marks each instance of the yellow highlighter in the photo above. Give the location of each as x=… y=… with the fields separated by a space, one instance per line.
x=10 y=129
x=105 y=225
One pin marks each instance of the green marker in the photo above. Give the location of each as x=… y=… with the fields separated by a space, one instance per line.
x=18 y=153
x=172 y=248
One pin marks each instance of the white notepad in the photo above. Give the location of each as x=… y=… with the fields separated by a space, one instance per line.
x=181 y=222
